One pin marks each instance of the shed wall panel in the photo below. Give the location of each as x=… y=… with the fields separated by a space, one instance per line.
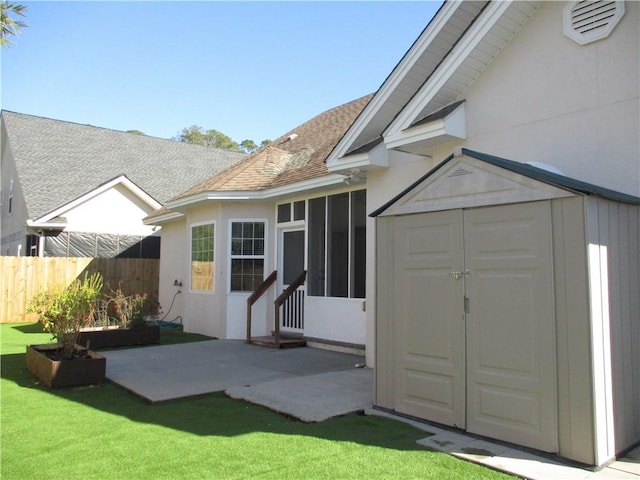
x=575 y=392
x=613 y=260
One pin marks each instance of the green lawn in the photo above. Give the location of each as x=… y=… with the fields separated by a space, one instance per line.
x=106 y=433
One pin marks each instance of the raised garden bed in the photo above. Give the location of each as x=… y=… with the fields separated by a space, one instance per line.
x=96 y=338
x=86 y=368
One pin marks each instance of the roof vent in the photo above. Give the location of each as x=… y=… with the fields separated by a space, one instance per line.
x=588 y=21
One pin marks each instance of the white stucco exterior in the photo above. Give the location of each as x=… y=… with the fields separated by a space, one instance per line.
x=546 y=98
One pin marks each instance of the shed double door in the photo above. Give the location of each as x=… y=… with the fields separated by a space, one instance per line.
x=475 y=338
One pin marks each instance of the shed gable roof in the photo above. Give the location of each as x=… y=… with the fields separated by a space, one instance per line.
x=58 y=161
x=472 y=179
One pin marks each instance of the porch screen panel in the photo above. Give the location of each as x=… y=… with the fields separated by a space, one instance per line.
x=358 y=243
x=338 y=245
x=317 y=232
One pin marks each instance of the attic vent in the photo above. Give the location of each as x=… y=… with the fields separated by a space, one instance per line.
x=588 y=21
x=459 y=172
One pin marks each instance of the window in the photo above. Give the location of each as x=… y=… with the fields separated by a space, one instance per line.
x=247 y=255
x=202 y=257
x=337 y=245
x=285 y=212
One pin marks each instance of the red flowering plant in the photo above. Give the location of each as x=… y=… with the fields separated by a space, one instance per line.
x=124 y=310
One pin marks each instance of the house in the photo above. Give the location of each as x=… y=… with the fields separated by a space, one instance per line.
x=223 y=237
x=78 y=190
x=502 y=285
x=473 y=225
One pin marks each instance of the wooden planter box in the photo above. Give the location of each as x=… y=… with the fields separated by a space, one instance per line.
x=119 y=337
x=65 y=373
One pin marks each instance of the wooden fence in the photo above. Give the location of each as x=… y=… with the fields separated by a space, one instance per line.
x=23 y=277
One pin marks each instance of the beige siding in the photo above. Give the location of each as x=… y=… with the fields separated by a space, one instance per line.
x=575 y=392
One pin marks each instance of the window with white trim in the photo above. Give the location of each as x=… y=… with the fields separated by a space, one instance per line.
x=247 y=255
x=202 y=257
x=337 y=245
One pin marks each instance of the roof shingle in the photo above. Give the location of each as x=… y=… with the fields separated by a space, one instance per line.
x=296 y=156
x=59 y=161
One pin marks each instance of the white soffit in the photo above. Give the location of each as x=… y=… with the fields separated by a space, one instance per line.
x=465 y=182
x=420 y=61
x=422 y=137
x=482 y=42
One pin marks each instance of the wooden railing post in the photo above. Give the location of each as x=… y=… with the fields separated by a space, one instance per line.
x=253 y=298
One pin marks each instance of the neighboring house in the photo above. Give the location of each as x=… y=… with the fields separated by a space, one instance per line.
x=499 y=292
x=78 y=190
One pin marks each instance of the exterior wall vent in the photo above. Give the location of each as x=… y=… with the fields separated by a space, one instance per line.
x=588 y=21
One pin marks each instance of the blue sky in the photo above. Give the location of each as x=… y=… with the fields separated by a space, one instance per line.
x=252 y=70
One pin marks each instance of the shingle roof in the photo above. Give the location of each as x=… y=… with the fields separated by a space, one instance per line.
x=296 y=156
x=59 y=161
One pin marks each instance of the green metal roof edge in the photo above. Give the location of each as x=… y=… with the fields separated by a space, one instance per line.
x=554 y=179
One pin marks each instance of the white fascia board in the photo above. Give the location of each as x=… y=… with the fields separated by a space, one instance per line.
x=43 y=225
x=271 y=193
x=489 y=16
x=160 y=219
x=122 y=179
x=350 y=162
x=393 y=81
x=453 y=125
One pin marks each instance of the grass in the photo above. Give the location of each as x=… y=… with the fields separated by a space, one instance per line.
x=106 y=433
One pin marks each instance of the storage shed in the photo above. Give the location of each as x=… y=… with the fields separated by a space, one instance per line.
x=508 y=306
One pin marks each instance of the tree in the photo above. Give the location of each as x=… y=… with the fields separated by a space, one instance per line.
x=9 y=26
x=196 y=135
x=135 y=132
x=249 y=146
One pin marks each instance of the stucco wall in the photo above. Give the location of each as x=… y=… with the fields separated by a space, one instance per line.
x=220 y=313
x=173 y=266
x=545 y=98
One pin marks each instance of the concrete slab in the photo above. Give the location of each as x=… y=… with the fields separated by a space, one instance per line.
x=176 y=371
x=524 y=464
x=313 y=398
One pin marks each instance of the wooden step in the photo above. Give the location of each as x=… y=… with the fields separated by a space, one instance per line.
x=285 y=342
